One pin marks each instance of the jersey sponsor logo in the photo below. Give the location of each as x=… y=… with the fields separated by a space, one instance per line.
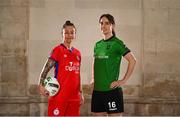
x=56 y=111
x=72 y=67
x=102 y=57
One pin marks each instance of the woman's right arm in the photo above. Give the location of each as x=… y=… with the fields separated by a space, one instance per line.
x=47 y=67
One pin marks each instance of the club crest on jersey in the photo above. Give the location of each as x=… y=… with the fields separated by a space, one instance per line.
x=56 y=111
x=65 y=55
x=108 y=46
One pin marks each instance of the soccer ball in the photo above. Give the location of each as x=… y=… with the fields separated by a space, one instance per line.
x=52 y=85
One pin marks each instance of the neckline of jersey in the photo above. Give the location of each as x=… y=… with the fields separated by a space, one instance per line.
x=71 y=49
x=109 y=38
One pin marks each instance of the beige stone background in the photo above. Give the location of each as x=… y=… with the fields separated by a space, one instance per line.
x=150 y=28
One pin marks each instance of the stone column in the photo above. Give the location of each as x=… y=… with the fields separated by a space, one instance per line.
x=14 y=27
x=161 y=53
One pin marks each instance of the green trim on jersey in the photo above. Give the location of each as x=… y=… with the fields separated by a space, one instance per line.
x=107 y=59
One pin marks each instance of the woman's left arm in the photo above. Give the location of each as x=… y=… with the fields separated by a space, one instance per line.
x=131 y=64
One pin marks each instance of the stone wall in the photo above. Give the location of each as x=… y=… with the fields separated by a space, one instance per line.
x=160 y=50
x=14 y=31
x=150 y=28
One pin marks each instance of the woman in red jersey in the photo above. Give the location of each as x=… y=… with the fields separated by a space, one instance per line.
x=66 y=60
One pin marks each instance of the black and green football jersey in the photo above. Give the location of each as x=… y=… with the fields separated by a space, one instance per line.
x=107 y=59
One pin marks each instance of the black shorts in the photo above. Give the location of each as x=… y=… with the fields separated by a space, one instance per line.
x=107 y=101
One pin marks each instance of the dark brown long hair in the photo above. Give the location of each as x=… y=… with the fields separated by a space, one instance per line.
x=111 y=20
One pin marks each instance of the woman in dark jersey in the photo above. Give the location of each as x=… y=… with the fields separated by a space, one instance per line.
x=107 y=96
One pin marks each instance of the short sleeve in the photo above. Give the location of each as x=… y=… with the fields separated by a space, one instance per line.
x=122 y=48
x=55 y=54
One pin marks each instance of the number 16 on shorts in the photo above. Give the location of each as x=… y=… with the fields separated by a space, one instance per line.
x=112 y=106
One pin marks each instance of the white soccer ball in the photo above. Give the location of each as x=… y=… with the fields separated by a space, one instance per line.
x=52 y=85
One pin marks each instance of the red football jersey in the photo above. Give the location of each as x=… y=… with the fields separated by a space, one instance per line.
x=67 y=72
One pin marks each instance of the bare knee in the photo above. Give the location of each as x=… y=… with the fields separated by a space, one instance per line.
x=116 y=114
x=100 y=114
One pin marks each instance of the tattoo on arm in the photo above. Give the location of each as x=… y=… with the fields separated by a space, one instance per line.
x=47 y=67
